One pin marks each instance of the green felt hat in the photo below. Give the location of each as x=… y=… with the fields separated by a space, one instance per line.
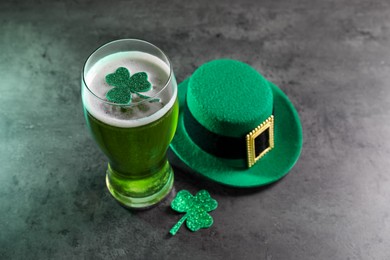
x=235 y=127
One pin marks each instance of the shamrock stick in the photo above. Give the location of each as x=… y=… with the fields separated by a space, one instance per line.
x=177 y=226
x=146 y=97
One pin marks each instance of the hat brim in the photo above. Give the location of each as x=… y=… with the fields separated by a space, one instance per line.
x=270 y=168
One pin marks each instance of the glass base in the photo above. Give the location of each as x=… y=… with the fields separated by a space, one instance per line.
x=141 y=193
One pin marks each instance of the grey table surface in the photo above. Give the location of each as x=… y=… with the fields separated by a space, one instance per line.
x=332 y=58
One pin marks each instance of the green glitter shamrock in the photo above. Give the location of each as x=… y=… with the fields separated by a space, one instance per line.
x=196 y=209
x=124 y=85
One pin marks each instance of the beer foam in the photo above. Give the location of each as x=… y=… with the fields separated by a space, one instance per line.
x=134 y=115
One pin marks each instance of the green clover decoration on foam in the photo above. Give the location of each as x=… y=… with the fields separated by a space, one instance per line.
x=125 y=86
x=196 y=208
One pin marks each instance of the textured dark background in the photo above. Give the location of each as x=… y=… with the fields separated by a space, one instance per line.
x=332 y=58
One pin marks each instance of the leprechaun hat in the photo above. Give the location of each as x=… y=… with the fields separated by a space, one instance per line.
x=235 y=127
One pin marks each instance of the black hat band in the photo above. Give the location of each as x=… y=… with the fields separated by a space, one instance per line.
x=250 y=147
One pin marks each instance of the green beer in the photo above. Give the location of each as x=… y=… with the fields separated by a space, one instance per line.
x=135 y=136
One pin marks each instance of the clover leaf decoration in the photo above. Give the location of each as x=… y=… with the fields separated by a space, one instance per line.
x=196 y=208
x=124 y=85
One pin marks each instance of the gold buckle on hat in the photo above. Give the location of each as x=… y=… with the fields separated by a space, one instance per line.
x=267 y=125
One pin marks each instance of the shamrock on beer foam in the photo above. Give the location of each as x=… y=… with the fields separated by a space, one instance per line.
x=126 y=85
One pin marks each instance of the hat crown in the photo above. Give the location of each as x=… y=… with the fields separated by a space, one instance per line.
x=229 y=97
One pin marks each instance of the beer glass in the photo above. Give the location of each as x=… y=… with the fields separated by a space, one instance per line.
x=134 y=135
